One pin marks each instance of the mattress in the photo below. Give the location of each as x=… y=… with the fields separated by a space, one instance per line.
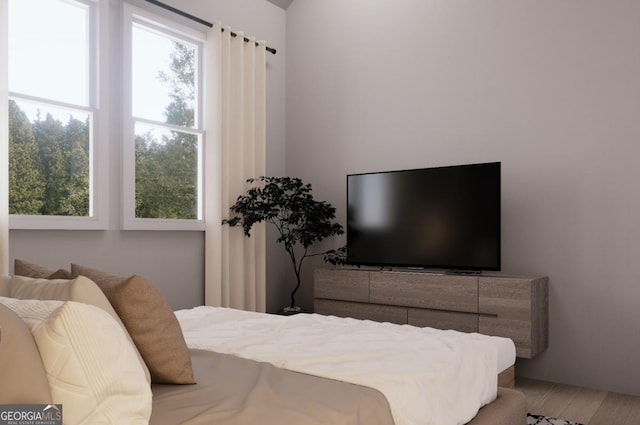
x=421 y=371
x=506 y=350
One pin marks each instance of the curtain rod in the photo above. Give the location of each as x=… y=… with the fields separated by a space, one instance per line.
x=200 y=21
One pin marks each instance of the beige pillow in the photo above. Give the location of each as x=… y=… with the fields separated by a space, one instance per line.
x=155 y=330
x=91 y=367
x=81 y=289
x=5 y=286
x=151 y=323
x=23 y=379
x=25 y=268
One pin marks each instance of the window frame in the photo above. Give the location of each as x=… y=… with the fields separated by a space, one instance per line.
x=134 y=15
x=98 y=183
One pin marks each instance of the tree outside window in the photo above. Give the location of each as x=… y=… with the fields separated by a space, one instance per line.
x=163 y=182
x=166 y=165
x=50 y=108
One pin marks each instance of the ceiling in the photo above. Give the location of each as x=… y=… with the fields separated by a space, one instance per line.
x=281 y=3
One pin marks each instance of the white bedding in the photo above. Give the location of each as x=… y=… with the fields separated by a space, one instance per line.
x=429 y=376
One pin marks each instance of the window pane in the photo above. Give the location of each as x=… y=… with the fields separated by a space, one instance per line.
x=166 y=173
x=49 y=50
x=163 y=81
x=49 y=151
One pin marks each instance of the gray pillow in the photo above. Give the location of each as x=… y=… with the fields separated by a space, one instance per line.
x=25 y=268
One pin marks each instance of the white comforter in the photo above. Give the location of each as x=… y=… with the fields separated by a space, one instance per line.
x=429 y=376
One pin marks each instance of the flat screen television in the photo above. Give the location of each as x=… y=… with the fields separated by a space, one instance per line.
x=439 y=218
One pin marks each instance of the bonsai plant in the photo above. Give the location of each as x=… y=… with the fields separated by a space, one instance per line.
x=300 y=220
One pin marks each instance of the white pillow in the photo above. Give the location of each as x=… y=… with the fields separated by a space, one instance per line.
x=31 y=312
x=92 y=369
x=81 y=289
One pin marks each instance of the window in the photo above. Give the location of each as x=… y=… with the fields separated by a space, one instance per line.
x=60 y=126
x=162 y=187
x=53 y=114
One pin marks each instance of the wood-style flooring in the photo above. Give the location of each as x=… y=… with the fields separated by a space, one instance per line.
x=583 y=405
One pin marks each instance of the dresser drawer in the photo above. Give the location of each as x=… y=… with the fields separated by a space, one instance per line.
x=463 y=322
x=346 y=285
x=437 y=292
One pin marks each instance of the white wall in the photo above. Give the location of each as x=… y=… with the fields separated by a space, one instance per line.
x=172 y=260
x=551 y=89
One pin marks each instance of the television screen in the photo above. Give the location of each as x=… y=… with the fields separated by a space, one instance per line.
x=442 y=218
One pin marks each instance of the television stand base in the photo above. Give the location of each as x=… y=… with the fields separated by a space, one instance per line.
x=514 y=307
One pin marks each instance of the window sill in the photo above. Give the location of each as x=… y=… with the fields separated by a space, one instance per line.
x=163 y=225
x=31 y=222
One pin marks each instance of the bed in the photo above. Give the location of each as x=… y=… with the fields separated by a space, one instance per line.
x=248 y=368
x=261 y=368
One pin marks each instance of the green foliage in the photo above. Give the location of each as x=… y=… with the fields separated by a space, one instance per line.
x=48 y=165
x=167 y=169
x=76 y=147
x=26 y=183
x=288 y=204
x=336 y=257
x=166 y=177
x=181 y=79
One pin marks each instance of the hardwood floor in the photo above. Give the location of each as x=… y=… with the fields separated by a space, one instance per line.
x=583 y=405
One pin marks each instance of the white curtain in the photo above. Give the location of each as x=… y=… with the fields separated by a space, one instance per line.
x=235 y=266
x=4 y=141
